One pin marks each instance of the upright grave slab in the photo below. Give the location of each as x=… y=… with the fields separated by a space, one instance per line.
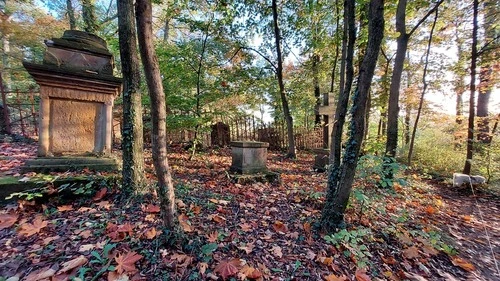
x=77 y=92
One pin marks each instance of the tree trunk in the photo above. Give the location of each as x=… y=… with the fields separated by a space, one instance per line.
x=279 y=73
x=424 y=82
x=132 y=134
x=338 y=196
x=89 y=17
x=348 y=41
x=393 y=110
x=5 y=128
x=166 y=193
x=337 y=31
x=71 y=15
x=317 y=90
x=402 y=46
x=473 y=64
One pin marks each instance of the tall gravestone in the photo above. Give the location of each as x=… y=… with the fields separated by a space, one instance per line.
x=77 y=92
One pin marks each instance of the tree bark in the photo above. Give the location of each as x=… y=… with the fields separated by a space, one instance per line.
x=132 y=130
x=89 y=16
x=472 y=87
x=279 y=74
x=402 y=46
x=71 y=15
x=338 y=196
x=166 y=193
x=317 y=90
x=349 y=39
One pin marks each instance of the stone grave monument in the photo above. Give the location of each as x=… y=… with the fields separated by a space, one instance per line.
x=249 y=162
x=327 y=111
x=77 y=91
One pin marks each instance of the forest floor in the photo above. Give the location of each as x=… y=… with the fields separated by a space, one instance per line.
x=423 y=230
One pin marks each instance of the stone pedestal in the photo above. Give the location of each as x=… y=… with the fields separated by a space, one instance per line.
x=321 y=159
x=77 y=91
x=249 y=157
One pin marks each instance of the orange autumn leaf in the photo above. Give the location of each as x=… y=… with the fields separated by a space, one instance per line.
x=250 y=272
x=467 y=218
x=7 y=220
x=389 y=260
x=100 y=194
x=150 y=233
x=195 y=209
x=65 y=208
x=127 y=228
x=307 y=227
x=150 y=208
x=228 y=268
x=280 y=227
x=40 y=274
x=246 y=227
x=184 y=222
x=213 y=237
x=218 y=219
x=361 y=276
x=126 y=262
x=28 y=229
x=333 y=277
x=430 y=210
x=464 y=264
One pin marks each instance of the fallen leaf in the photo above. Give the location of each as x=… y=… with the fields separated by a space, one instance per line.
x=74 y=263
x=195 y=209
x=227 y=268
x=246 y=227
x=86 y=247
x=126 y=262
x=180 y=203
x=7 y=220
x=202 y=267
x=65 y=208
x=333 y=277
x=280 y=227
x=100 y=194
x=248 y=248
x=411 y=253
x=40 y=274
x=464 y=264
x=28 y=229
x=389 y=260
x=47 y=240
x=361 y=276
x=213 y=237
x=218 y=219
x=150 y=233
x=183 y=260
x=150 y=208
x=249 y=272
x=277 y=251
x=430 y=210
x=184 y=222
x=307 y=227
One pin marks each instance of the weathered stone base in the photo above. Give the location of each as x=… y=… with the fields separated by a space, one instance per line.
x=321 y=160
x=62 y=164
x=270 y=177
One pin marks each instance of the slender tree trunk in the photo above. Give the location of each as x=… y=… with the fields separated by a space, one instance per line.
x=424 y=82
x=317 y=90
x=166 y=30
x=335 y=60
x=6 y=128
x=144 y=16
x=349 y=39
x=487 y=72
x=338 y=196
x=71 y=14
x=473 y=64
x=132 y=129
x=402 y=46
x=89 y=16
x=279 y=73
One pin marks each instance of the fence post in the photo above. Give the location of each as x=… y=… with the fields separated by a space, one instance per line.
x=33 y=113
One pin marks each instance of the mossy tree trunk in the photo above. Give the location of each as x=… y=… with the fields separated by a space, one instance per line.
x=144 y=16
x=337 y=197
x=132 y=134
x=89 y=17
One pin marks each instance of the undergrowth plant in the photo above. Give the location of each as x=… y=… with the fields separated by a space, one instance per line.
x=372 y=169
x=353 y=243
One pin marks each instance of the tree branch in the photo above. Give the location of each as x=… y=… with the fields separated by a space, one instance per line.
x=275 y=69
x=425 y=17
